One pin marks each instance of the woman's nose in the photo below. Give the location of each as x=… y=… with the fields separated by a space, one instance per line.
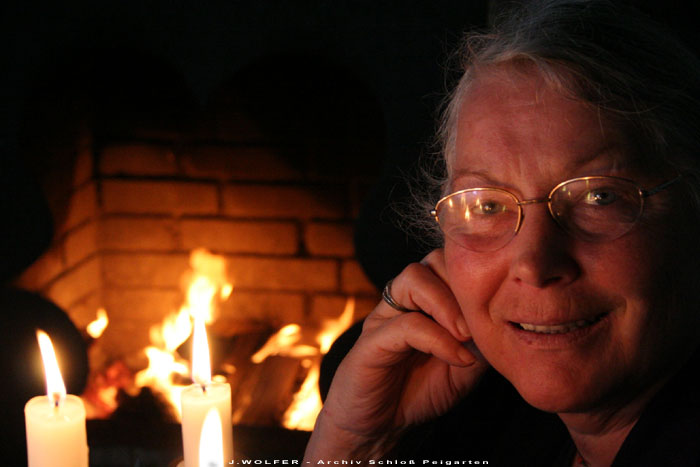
x=541 y=255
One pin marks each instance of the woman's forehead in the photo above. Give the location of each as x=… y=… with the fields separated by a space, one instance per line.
x=516 y=122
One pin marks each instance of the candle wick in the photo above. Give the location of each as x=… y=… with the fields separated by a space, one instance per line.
x=204 y=388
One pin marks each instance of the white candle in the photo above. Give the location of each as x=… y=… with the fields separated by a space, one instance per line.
x=199 y=398
x=55 y=423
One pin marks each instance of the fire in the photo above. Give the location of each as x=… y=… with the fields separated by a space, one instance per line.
x=98 y=326
x=306 y=404
x=283 y=343
x=302 y=413
x=333 y=328
x=205 y=285
x=207 y=277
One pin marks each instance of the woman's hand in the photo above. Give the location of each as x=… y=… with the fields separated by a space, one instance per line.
x=406 y=368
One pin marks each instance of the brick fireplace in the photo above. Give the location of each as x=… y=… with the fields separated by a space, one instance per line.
x=268 y=175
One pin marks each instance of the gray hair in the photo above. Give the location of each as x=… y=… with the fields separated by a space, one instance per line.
x=605 y=54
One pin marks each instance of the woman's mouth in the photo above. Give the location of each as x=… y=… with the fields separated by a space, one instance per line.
x=559 y=328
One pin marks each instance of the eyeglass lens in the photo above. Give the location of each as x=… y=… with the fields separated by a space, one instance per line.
x=591 y=209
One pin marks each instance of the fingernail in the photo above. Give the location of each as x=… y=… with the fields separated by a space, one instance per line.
x=462 y=327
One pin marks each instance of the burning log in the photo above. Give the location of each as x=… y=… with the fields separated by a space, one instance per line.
x=306 y=403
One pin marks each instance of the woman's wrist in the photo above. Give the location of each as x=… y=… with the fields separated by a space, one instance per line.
x=329 y=442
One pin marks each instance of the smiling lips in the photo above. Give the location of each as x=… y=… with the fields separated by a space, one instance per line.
x=558 y=328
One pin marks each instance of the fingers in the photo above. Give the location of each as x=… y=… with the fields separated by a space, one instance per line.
x=388 y=343
x=422 y=286
x=416 y=331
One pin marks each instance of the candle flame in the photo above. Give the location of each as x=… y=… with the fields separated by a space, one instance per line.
x=55 y=388
x=97 y=327
x=201 y=366
x=211 y=441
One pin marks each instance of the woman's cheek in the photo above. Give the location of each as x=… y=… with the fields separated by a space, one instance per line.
x=474 y=278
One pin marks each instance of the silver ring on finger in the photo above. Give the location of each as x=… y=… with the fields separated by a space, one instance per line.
x=389 y=300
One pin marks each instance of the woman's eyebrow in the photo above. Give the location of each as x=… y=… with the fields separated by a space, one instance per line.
x=481 y=175
x=608 y=155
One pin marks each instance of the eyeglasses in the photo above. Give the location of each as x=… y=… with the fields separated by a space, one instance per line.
x=593 y=209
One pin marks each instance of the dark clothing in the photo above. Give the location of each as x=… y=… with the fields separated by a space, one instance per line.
x=492 y=424
x=668 y=432
x=495 y=424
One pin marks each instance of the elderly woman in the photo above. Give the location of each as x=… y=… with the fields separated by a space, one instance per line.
x=569 y=215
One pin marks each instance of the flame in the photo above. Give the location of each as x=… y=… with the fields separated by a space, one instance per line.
x=283 y=343
x=211 y=441
x=302 y=412
x=226 y=290
x=55 y=388
x=98 y=326
x=201 y=365
x=199 y=298
x=306 y=404
x=206 y=285
x=207 y=278
x=335 y=327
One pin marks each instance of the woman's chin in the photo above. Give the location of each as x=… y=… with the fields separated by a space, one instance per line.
x=551 y=403
x=557 y=396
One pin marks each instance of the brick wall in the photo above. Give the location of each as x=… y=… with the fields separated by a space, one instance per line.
x=272 y=179
x=135 y=187
x=130 y=225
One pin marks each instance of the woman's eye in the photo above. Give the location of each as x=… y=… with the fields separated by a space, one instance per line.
x=489 y=207
x=600 y=197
